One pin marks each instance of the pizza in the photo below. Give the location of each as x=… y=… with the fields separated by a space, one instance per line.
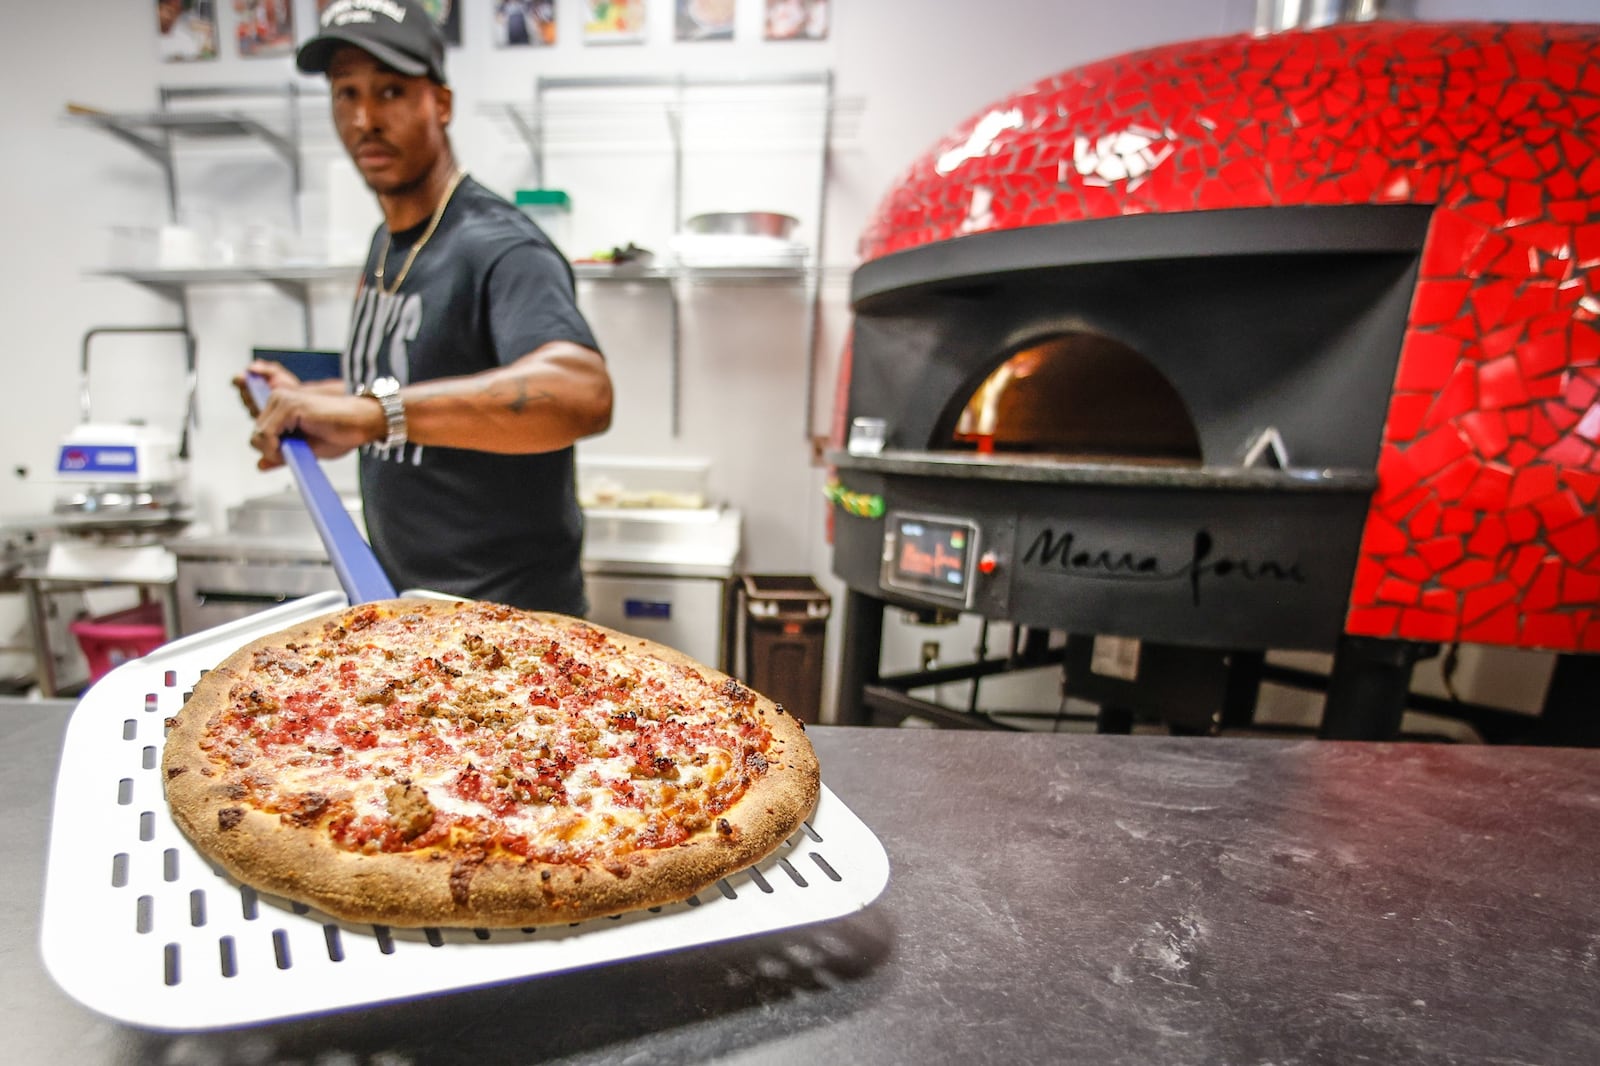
x=442 y=763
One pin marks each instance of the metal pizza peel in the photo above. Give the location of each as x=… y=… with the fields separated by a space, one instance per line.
x=178 y=946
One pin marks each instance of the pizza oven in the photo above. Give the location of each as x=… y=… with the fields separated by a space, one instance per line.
x=1261 y=342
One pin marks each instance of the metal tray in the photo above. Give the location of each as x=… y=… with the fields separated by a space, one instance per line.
x=139 y=927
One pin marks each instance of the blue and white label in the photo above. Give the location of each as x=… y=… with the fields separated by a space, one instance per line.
x=98 y=459
x=661 y=609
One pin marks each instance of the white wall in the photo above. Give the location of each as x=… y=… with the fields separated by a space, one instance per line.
x=910 y=71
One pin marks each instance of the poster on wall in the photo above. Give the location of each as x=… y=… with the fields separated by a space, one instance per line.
x=264 y=27
x=187 y=30
x=797 y=20
x=446 y=15
x=524 y=23
x=705 y=20
x=614 y=22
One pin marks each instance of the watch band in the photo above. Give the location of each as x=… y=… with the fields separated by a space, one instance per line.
x=386 y=391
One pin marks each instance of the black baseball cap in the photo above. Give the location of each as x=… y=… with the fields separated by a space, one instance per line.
x=398 y=33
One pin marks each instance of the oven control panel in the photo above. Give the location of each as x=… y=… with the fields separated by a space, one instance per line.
x=934 y=557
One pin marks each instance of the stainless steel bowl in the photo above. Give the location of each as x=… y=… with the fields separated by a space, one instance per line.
x=744 y=224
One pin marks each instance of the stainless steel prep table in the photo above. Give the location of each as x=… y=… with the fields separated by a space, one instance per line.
x=1053 y=899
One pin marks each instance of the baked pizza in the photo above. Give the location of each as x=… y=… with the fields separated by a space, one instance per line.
x=441 y=763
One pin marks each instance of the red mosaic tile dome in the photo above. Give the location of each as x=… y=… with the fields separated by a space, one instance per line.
x=1484 y=527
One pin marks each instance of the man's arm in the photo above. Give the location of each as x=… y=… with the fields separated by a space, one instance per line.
x=547 y=399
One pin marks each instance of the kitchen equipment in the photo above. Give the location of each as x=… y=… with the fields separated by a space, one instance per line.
x=127 y=499
x=658 y=559
x=718 y=251
x=643 y=482
x=125 y=496
x=269 y=553
x=743 y=224
x=655 y=560
x=1165 y=296
x=665 y=574
x=138 y=926
x=127 y=479
x=739 y=239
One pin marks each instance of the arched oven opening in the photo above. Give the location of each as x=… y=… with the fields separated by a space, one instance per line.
x=1078 y=397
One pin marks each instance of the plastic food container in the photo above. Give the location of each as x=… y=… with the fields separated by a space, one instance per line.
x=743 y=224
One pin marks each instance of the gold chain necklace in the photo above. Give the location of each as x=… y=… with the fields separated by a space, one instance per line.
x=433 y=224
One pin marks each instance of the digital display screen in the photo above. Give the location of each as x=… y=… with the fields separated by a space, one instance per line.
x=931 y=555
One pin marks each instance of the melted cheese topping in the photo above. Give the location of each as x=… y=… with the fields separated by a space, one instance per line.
x=486 y=727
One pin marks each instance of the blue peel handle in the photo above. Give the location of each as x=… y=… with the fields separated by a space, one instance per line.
x=359 y=574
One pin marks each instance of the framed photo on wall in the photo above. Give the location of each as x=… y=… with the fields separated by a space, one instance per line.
x=264 y=27
x=705 y=20
x=614 y=22
x=797 y=20
x=446 y=15
x=186 y=30
x=524 y=23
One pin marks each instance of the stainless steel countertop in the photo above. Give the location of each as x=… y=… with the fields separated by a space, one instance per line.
x=1053 y=899
x=702 y=543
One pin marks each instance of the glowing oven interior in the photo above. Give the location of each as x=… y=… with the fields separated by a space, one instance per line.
x=1078 y=397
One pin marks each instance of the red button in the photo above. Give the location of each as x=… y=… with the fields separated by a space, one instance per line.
x=988 y=563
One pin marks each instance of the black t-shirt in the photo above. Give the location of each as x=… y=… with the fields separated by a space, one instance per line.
x=486 y=289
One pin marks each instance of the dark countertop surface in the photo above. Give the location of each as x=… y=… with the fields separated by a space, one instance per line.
x=1053 y=899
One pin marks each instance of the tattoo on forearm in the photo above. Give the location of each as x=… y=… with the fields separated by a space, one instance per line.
x=520 y=402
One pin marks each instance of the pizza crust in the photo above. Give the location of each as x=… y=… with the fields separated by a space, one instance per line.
x=444 y=886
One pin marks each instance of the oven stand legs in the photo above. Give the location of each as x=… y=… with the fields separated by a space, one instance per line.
x=1369 y=687
x=1113 y=719
x=1571 y=713
x=859 y=657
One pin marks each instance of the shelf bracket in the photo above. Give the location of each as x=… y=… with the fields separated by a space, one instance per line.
x=300 y=291
x=158 y=151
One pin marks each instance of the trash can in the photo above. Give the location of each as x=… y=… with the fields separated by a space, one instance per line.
x=113 y=639
x=785 y=621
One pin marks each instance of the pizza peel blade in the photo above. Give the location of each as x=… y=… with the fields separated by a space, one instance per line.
x=359 y=572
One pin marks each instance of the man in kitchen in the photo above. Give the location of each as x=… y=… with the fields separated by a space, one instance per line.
x=469 y=373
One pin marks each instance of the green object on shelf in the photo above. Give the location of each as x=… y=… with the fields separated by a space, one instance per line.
x=549 y=199
x=860 y=504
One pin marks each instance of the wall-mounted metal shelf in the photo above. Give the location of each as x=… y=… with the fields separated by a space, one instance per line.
x=293 y=281
x=153 y=133
x=213 y=113
x=147 y=131
x=668 y=278
x=586 y=118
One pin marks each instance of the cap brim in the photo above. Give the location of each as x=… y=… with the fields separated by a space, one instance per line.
x=315 y=55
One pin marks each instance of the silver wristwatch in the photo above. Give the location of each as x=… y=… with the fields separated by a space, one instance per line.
x=386 y=391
